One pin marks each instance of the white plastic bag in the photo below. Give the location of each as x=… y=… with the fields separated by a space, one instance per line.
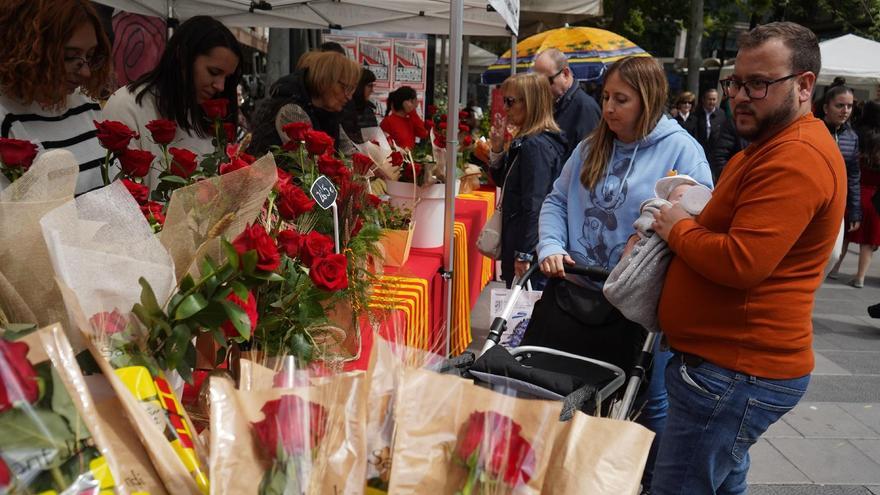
x=519 y=318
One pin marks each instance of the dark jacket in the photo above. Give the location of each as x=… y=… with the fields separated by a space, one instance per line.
x=356 y=117
x=289 y=89
x=536 y=162
x=577 y=114
x=848 y=142
x=721 y=143
x=690 y=124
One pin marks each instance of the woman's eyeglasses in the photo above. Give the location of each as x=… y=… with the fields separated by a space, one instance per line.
x=509 y=101
x=349 y=89
x=76 y=64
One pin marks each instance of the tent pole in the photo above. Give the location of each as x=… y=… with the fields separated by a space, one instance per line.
x=455 y=42
x=512 y=54
x=442 y=72
x=465 y=69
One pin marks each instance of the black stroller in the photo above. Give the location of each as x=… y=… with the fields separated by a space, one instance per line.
x=595 y=383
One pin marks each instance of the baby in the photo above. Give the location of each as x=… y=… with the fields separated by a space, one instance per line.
x=634 y=285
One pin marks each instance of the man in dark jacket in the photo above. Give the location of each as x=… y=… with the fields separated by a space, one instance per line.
x=576 y=112
x=716 y=133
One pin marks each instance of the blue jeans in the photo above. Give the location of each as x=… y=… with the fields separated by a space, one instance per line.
x=653 y=414
x=715 y=415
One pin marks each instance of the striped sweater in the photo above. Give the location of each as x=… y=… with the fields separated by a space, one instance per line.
x=69 y=128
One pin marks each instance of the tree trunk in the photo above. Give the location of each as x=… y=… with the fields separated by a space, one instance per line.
x=695 y=46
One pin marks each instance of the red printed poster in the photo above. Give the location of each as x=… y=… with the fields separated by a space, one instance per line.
x=350 y=43
x=375 y=54
x=411 y=63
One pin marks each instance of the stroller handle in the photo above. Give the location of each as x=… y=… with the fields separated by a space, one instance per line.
x=596 y=273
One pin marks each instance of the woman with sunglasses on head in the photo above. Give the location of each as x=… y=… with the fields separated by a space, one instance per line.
x=402 y=122
x=53 y=67
x=587 y=218
x=526 y=171
x=202 y=61
x=315 y=93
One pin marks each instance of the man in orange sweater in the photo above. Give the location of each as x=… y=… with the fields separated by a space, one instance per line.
x=738 y=297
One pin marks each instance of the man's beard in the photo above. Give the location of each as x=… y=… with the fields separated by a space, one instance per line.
x=780 y=116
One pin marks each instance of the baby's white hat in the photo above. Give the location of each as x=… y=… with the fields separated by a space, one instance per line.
x=663 y=188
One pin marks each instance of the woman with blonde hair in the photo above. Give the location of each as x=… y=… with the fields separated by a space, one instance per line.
x=315 y=93
x=54 y=64
x=587 y=218
x=686 y=116
x=527 y=170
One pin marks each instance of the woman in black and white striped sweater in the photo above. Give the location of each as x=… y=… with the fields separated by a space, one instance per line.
x=53 y=64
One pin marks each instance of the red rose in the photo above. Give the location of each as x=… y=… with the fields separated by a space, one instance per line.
x=216 y=108
x=473 y=435
x=317 y=142
x=501 y=450
x=292 y=146
x=17 y=153
x=329 y=272
x=440 y=141
x=282 y=177
x=296 y=131
x=229 y=130
x=249 y=159
x=374 y=200
x=139 y=192
x=289 y=241
x=108 y=323
x=114 y=136
x=462 y=114
x=5 y=475
x=284 y=426
x=349 y=188
x=463 y=128
x=153 y=211
x=443 y=117
x=443 y=125
x=293 y=201
x=430 y=110
x=20 y=383
x=329 y=165
x=362 y=163
x=183 y=162
x=407 y=173
x=249 y=307
x=314 y=246
x=162 y=130
x=396 y=158
x=232 y=166
x=467 y=141
x=429 y=124
x=136 y=163
x=256 y=238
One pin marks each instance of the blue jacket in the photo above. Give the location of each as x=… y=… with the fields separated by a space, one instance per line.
x=534 y=163
x=577 y=114
x=848 y=142
x=592 y=226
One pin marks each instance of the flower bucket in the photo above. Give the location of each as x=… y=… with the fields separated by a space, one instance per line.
x=427 y=204
x=396 y=244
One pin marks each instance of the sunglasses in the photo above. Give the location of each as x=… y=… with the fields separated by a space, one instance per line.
x=509 y=101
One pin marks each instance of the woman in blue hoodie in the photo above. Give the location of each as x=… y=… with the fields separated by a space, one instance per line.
x=587 y=218
x=527 y=171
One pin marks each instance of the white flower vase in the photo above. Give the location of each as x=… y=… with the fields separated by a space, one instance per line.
x=428 y=205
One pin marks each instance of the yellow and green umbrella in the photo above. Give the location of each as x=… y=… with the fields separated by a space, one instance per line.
x=589 y=51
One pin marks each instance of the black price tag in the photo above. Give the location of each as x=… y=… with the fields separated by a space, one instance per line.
x=324 y=192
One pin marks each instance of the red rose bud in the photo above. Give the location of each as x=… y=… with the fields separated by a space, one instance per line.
x=430 y=110
x=17 y=153
x=292 y=146
x=362 y=163
x=18 y=380
x=5 y=475
x=114 y=136
x=136 y=163
x=249 y=307
x=162 y=130
x=232 y=166
x=153 y=212
x=229 y=130
x=467 y=140
x=317 y=142
x=407 y=173
x=443 y=117
x=463 y=114
x=472 y=435
x=443 y=125
x=374 y=200
x=283 y=177
x=108 y=323
x=256 y=238
x=183 y=162
x=429 y=124
x=293 y=201
x=290 y=425
x=314 y=246
x=139 y=192
x=216 y=108
x=289 y=241
x=440 y=141
x=396 y=158
x=329 y=273
x=463 y=128
x=329 y=165
x=296 y=131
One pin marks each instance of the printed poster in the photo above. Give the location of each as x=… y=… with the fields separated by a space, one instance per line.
x=410 y=63
x=375 y=54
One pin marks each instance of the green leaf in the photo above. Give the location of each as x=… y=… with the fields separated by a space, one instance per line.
x=240 y=290
x=268 y=276
x=35 y=429
x=174 y=179
x=190 y=306
x=249 y=261
x=15 y=331
x=142 y=315
x=187 y=283
x=301 y=347
x=231 y=254
x=148 y=298
x=63 y=405
x=239 y=318
x=212 y=316
x=208 y=266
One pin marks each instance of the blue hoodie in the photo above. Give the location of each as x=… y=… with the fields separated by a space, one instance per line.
x=592 y=226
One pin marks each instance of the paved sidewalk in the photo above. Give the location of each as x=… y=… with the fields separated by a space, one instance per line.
x=830 y=443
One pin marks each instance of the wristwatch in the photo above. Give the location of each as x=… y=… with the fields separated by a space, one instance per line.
x=527 y=257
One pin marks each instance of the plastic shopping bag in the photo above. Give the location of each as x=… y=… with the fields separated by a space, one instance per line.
x=519 y=318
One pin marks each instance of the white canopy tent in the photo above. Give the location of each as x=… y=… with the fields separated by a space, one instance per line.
x=478 y=58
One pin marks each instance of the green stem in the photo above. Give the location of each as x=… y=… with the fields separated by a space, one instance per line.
x=166 y=158
x=105 y=168
x=58 y=478
x=471 y=482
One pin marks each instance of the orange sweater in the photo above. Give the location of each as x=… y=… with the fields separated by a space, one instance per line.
x=740 y=290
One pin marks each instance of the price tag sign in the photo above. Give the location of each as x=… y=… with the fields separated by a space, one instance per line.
x=324 y=192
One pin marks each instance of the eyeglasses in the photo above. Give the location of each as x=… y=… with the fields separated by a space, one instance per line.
x=75 y=64
x=685 y=103
x=509 y=101
x=756 y=89
x=349 y=89
x=554 y=76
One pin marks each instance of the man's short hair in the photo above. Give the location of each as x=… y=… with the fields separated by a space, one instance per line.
x=709 y=90
x=803 y=43
x=332 y=46
x=559 y=59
